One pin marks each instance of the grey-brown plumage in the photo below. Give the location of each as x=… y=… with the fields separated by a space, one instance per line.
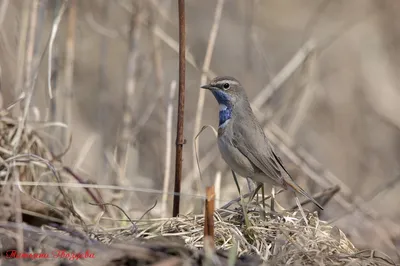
x=241 y=140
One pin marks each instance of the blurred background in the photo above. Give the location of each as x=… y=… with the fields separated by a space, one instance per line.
x=322 y=77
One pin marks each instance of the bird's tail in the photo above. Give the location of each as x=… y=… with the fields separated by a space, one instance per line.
x=290 y=182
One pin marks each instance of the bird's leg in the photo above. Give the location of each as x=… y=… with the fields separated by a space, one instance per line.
x=263 y=202
x=249 y=184
x=255 y=192
x=236 y=182
x=273 y=199
x=244 y=206
x=259 y=185
x=272 y=211
x=257 y=199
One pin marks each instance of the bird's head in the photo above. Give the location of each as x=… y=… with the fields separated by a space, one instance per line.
x=227 y=90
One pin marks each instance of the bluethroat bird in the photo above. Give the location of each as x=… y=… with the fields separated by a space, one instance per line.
x=242 y=142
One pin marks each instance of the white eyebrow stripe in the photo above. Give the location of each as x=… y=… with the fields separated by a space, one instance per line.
x=232 y=82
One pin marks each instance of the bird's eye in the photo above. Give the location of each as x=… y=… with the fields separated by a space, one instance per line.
x=226 y=86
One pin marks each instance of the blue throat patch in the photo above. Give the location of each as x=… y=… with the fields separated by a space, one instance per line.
x=225 y=110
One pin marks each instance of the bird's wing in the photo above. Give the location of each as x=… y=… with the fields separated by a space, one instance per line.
x=250 y=140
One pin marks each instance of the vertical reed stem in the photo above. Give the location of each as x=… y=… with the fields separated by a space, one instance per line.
x=181 y=105
x=69 y=69
x=209 y=213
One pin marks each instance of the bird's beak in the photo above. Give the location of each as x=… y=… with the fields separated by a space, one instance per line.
x=208 y=87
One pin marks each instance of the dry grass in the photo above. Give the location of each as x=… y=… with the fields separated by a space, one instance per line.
x=278 y=240
x=284 y=239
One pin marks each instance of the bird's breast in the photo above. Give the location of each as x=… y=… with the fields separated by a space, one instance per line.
x=233 y=157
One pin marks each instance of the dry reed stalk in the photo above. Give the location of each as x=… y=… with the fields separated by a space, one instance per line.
x=157 y=62
x=53 y=69
x=101 y=29
x=160 y=33
x=248 y=30
x=52 y=72
x=103 y=88
x=313 y=169
x=52 y=60
x=103 y=80
x=217 y=185
x=69 y=69
x=307 y=96
x=209 y=213
x=96 y=186
x=168 y=150
x=322 y=197
x=164 y=13
x=23 y=33
x=41 y=20
x=323 y=177
x=203 y=78
x=169 y=41
x=3 y=10
x=3 y=38
x=288 y=70
x=28 y=75
x=180 y=141
x=30 y=49
x=130 y=86
x=18 y=213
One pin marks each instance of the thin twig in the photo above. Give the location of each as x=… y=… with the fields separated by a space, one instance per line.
x=97 y=186
x=130 y=86
x=312 y=168
x=248 y=29
x=30 y=50
x=323 y=197
x=217 y=185
x=307 y=96
x=159 y=73
x=51 y=76
x=102 y=205
x=168 y=142
x=383 y=188
x=53 y=70
x=206 y=67
x=181 y=107
x=196 y=149
x=30 y=75
x=164 y=13
x=3 y=10
x=296 y=61
x=18 y=213
x=103 y=89
x=69 y=69
x=98 y=199
x=22 y=49
x=168 y=40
